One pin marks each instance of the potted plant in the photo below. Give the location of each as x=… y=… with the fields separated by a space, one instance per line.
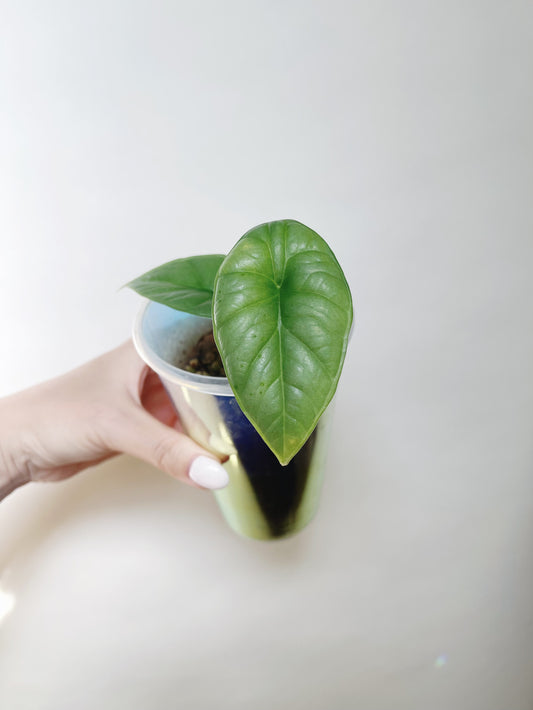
x=280 y=311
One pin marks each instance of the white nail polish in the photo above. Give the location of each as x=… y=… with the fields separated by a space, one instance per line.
x=208 y=473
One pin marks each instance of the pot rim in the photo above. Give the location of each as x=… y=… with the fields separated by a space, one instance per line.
x=202 y=383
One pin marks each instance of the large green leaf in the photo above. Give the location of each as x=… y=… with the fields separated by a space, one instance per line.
x=282 y=312
x=183 y=284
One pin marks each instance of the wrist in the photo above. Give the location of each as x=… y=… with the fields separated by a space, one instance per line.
x=13 y=472
x=9 y=479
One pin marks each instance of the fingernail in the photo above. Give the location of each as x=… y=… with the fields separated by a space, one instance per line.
x=208 y=473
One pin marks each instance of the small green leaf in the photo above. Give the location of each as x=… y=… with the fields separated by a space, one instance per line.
x=183 y=284
x=282 y=314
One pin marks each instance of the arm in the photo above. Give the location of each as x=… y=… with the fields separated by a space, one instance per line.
x=110 y=405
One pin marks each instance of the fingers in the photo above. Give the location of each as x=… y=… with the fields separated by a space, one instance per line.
x=155 y=400
x=146 y=429
x=141 y=435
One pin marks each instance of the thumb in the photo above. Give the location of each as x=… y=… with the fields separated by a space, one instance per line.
x=143 y=436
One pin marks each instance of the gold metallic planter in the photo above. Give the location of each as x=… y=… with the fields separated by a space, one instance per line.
x=263 y=499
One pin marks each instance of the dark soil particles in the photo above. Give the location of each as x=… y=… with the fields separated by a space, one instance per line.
x=204 y=358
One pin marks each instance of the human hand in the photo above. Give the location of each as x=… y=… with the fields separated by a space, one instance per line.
x=110 y=405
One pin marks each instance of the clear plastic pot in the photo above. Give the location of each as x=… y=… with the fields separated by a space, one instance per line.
x=263 y=500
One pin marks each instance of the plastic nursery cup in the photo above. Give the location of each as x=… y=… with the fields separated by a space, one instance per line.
x=263 y=499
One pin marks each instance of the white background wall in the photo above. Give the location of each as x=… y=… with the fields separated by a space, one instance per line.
x=136 y=132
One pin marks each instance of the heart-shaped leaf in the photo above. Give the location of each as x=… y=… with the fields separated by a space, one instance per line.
x=282 y=313
x=183 y=284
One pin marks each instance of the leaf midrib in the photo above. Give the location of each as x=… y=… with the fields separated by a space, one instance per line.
x=174 y=288
x=280 y=326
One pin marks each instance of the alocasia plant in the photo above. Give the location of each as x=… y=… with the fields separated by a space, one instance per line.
x=281 y=311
